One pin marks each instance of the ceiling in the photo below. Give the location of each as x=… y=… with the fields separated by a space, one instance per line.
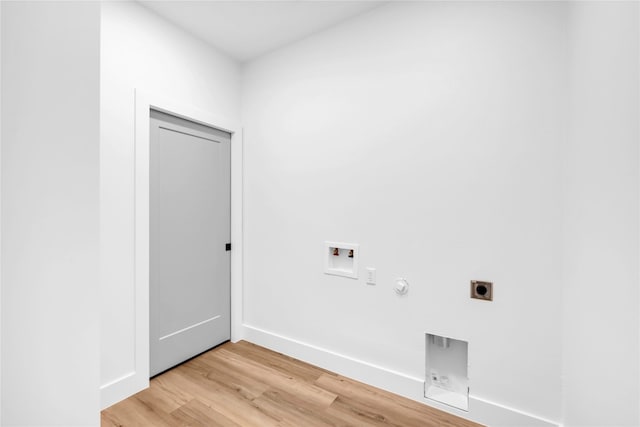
x=247 y=29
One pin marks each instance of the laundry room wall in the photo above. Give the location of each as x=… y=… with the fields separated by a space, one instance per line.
x=430 y=133
x=601 y=330
x=50 y=213
x=141 y=51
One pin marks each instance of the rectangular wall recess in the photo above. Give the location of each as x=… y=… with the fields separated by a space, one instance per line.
x=341 y=259
x=446 y=371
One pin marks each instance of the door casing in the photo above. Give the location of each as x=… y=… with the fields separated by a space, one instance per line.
x=138 y=379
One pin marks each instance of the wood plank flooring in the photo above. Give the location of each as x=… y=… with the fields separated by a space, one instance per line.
x=245 y=385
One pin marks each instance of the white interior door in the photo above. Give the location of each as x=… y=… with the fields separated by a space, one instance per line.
x=189 y=228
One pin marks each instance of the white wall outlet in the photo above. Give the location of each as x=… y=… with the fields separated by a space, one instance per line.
x=371 y=276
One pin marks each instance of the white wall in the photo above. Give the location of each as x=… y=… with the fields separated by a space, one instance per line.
x=0 y=214
x=431 y=134
x=140 y=50
x=50 y=172
x=601 y=353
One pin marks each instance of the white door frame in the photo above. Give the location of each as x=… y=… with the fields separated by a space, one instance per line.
x=144 y=102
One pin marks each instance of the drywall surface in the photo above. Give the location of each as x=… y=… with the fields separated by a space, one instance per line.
x=431 y=134
x=601 y=353
x=142 y=51
x=50 y=173
x=0 y=214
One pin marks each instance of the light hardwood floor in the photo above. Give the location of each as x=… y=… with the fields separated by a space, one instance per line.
x=245 y=385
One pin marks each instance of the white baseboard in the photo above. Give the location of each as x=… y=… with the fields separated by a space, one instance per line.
x=480 y=410
x=121 y=388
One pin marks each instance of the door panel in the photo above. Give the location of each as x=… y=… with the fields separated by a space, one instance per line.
x=190 y=225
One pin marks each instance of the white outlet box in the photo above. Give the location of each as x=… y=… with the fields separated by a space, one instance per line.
x=341 y=259
x=447 y=379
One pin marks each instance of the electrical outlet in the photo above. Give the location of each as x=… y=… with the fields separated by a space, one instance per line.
x=482 y=290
